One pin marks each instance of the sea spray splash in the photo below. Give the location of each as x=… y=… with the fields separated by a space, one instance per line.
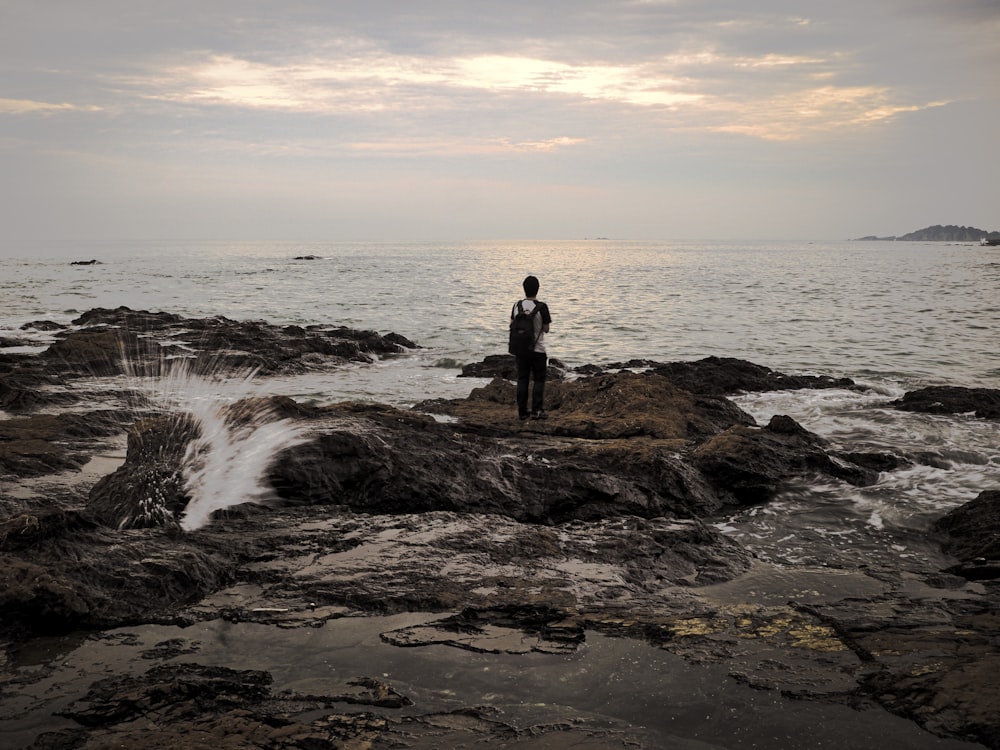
x=240 y=434
x=227 y=464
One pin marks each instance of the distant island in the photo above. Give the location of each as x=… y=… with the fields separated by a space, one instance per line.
x=938 y=233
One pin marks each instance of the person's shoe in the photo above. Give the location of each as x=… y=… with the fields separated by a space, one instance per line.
x=523 y=417
x=540 y=414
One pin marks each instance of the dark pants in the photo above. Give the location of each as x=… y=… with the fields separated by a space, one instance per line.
x=533 y=366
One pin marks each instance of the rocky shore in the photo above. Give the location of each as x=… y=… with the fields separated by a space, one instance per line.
x=460 y=526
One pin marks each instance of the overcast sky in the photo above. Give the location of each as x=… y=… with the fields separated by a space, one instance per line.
x=393 y=119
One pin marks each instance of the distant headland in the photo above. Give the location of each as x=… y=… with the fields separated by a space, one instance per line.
x=938 y=233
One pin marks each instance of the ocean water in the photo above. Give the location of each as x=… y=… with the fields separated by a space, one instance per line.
x=910 y=313
x=891 y=315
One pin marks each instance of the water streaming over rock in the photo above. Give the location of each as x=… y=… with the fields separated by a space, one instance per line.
x=239 y=434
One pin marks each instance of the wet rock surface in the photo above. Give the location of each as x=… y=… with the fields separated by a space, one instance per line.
x=521 y=540
x=943 y=399
x=237 y=709
x=972 y=534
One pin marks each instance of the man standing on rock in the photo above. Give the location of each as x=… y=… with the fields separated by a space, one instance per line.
x=533 y=362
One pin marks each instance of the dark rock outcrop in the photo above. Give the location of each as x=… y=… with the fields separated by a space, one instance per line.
x=949 y=399
x=415 y=466
x=382 y=460
x=150 y=490
x=727 y=376
x=100 y=352
x=217 y=344
x=614 y=445
x=43 y=325
x=718 y=376
x=972 y=534
x=60 y=571
x=747 y=465
x=139 y=343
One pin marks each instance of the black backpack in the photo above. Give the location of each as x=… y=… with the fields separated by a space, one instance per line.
x=522 y=331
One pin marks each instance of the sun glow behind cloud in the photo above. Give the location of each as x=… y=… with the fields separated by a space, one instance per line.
x=375 y=84
x=630 y=84
x=463 y=146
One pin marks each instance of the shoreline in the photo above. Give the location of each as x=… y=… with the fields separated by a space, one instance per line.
x=390 y=512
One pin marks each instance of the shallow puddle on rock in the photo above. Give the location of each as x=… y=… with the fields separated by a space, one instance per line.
x=102 y=463
x=655 y=697
x=767 y=584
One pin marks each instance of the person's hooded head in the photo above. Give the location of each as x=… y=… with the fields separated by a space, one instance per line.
x=530 y=285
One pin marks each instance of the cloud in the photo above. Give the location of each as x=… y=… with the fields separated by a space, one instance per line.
x=808 y=112
x=770 y=96
x=27 y=106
